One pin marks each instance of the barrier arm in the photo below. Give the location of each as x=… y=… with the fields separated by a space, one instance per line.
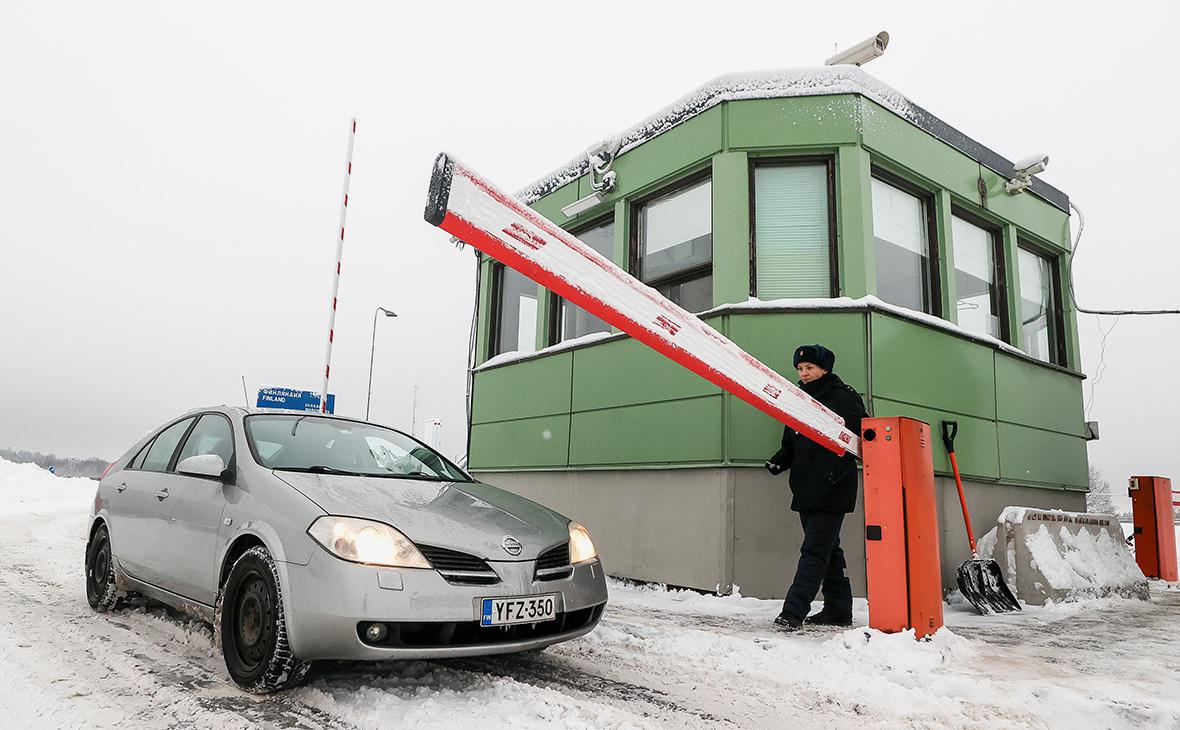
x=473 y=210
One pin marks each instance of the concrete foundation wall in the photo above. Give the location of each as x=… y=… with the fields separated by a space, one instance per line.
x=712 y=529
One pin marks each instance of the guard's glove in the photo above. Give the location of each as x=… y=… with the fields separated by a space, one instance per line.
x=774 y=468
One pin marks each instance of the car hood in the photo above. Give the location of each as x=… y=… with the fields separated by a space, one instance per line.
x=471 y=517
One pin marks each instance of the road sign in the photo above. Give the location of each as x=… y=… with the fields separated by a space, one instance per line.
x=476 y=212
x=293 y=400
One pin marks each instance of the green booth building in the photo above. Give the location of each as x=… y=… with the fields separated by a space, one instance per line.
x=784 y=208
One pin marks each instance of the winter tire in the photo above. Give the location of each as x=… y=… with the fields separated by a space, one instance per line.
x=101 y=592
x=251 y=629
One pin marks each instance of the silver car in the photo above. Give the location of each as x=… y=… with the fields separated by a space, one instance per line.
x=304 y=537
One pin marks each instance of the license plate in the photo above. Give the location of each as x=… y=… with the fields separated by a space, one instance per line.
x=521 y=610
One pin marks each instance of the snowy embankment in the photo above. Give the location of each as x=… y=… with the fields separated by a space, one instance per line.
x=29 y=489
x=660 y=658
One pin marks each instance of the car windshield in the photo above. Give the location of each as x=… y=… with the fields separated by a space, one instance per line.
x=331 y=446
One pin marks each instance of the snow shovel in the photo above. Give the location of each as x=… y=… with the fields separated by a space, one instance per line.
x=980 y=581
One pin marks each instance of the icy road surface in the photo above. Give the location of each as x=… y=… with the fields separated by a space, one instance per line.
x=658 y=659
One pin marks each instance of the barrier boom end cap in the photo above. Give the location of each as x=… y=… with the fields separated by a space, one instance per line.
x=440 y=189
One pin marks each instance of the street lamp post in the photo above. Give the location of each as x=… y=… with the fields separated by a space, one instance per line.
x=372 y=350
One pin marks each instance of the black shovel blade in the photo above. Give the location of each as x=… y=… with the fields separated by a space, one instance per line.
x=983 y=586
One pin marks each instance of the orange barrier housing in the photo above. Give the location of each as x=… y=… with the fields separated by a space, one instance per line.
x=1155 y=534
x=901 y=526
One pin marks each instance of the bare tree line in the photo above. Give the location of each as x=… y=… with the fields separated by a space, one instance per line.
x=66 y=466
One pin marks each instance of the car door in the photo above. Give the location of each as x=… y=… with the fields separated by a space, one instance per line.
x=187 y=539
x=137 y=506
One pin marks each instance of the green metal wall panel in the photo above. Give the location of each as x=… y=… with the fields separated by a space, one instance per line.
x=976 y=445
x=661 y=160
x=1026 y=210
x=1031 y=395
x=916 y=364
x=892 y=139
x=671 y=432
x=753 y=436
x=526 y=443
x=772 y=336
x=626 y=372
x=1033 y=455
x=537 y=387
x=794 y=122
x=731 y=228
x=854 y=223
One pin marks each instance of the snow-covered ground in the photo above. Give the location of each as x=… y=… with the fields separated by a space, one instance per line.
x=659 y=659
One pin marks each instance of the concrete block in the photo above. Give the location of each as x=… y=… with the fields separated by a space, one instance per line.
x=1050 y=555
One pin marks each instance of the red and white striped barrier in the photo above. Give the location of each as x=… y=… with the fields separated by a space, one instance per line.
x=476 y=212
x=336 y=274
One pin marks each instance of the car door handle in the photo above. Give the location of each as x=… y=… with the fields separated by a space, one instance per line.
x=121 y=488
x=162 y=495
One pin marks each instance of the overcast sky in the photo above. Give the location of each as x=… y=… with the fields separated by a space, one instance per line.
x=170 y=177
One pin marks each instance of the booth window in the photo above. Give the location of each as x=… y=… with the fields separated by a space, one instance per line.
x=979 y=299
x=569 y=320
x=514 y=319
x=674 y=245
x=793 y=231
x=903 y=246
x=1040 y=307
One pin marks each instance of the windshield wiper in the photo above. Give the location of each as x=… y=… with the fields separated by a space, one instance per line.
x=320 y=469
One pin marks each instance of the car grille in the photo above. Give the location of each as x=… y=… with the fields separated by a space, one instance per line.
x=440 y=634
x=459 y=568
x=554 y=564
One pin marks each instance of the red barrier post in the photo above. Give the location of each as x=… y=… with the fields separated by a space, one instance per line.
x=1155 y=533
x=903 y=564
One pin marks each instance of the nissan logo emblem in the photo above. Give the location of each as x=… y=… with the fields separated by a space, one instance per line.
x=511 y=545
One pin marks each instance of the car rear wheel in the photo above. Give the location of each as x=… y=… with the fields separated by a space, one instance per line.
x=251 y=628
x=101 y=592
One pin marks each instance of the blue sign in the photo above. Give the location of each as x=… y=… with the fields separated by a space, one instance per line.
x=293 y=400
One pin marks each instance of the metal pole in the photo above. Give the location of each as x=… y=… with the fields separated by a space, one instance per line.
x=336 y=274
x=372 y=350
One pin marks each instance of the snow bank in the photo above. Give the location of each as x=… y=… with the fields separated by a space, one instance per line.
x=1065 y=556
x=29 y=489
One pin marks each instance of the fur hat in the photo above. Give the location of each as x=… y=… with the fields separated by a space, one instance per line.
x=816 y=355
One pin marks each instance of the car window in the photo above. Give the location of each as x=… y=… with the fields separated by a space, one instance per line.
x=310 y=443
x=161 y=450
x=211 y=435
x=137 y=462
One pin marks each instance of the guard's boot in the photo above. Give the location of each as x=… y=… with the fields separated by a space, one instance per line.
x=828 y=618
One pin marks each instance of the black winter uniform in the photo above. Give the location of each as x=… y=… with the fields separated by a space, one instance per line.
x=824 y=490
x=820 y=480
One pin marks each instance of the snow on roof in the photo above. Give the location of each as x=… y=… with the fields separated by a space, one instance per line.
x=823 y=81
x=843 y=304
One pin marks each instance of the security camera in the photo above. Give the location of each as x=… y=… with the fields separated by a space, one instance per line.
x=862 y=52
x=1023 y=171
x=1030 y=165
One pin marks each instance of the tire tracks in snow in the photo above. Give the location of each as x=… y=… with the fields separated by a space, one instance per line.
x=139 y=665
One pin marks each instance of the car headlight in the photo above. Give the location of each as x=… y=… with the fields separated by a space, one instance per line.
x=581 y=546
x=366 y=541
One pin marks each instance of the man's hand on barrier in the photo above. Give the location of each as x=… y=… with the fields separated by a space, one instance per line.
x=774 y=468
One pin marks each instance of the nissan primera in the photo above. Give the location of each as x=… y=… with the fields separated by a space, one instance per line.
x=301 y=537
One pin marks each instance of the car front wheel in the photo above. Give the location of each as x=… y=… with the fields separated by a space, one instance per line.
x=251 y=628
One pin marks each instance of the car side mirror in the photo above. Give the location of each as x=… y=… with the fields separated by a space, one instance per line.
x=203 y=465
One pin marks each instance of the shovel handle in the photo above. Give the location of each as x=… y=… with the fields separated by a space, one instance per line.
x=950 y=429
